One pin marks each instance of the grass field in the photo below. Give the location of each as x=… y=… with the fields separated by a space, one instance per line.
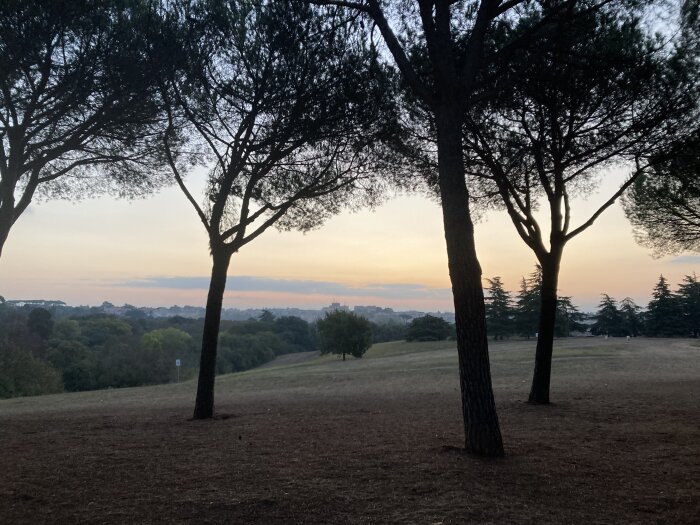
x=374 y=440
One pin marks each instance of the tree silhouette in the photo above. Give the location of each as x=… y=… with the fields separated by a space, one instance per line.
x=689 y=296
x=595 y=91
x=608 y=320
x=75 y=102
x=664 y=315
x=499 y=309
x=281 y=98
x=344 y=333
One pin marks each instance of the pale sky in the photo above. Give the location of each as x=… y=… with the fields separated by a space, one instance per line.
x=153 y=252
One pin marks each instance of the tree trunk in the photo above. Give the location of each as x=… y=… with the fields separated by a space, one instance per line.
x=6 y=220
x=539 y=391
x=204 y=405
x=481 y=429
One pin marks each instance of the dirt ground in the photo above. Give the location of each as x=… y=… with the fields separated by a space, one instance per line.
x=374 y=440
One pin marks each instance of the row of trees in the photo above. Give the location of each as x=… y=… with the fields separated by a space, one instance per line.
x=42 y=355
x=507 y=316
x=297 y=110
x=668 y=314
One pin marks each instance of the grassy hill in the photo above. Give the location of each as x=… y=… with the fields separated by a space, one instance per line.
x=372 y=440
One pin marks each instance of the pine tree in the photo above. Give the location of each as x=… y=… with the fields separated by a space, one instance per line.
x=569 y=318
x=631 y=318
x=608 y=320
x=689 y=296
x=499 y=309
x=527 y=311
x=664 y=313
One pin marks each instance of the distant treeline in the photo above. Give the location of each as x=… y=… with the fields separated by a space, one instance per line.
x=40 y=353
x=668 y=314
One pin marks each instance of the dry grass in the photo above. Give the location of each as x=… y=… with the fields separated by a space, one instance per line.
x=370 y=441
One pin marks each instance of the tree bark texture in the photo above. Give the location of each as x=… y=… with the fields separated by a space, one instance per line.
x=539 y=391
x=481 y=428
x=204 y=404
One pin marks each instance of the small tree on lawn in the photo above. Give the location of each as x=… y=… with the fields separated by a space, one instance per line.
x=344 y=333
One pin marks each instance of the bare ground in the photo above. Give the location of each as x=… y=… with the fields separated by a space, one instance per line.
x=370 y=441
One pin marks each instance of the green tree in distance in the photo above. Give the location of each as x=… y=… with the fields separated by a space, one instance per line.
x=344 y=333
x=428 y=328
x=631 y=318
x=689 y=296
x=664 y=315
x=499 y=309
x=527 y=311
x=608 y=320
x=569 y=318
x=39 y=322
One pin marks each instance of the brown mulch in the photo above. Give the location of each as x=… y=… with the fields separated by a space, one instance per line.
x=624 y=454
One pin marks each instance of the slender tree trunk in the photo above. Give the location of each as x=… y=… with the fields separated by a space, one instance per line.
x=204 y=405
x=6 y=220
x=482 y=432
x=539 y=391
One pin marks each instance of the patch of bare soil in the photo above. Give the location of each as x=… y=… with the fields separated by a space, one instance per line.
x=626 y=453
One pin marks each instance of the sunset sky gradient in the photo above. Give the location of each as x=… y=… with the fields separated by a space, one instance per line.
x=153 y=252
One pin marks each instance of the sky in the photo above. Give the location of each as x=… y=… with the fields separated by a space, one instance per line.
x=153 y=252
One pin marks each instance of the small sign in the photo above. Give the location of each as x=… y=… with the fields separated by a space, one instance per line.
x=177 y=362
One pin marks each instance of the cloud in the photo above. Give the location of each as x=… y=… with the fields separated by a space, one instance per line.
x=247 y=283
x=686 y=259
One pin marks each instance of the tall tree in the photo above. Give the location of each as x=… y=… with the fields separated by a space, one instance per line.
x=279 y=96
x=608 y=320
x=596 y=91
x=439 y=46
x=75 y=101
x=499 y=309
x=689 y=296
x=527 y=310
x=664 y=316
x=631 y=317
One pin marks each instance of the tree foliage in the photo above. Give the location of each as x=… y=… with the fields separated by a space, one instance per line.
x=664 y=316
x=664 y=205
x=593 y=90
x=344 y=333
x=428 y=328
x=608 y=320
x=499 y=309
x=281 y=99
x=75 y=100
